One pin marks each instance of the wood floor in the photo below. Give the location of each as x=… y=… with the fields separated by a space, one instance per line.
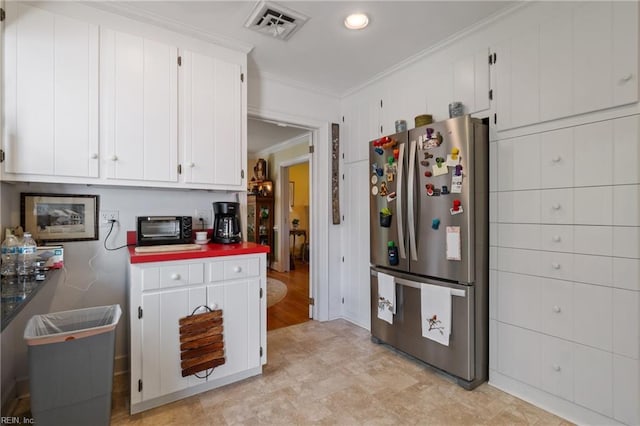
x=294 y=308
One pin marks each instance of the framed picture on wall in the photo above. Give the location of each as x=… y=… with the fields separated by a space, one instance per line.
x=60 y=217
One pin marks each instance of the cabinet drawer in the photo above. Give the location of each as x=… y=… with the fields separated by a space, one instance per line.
x=176 y=275
x=556 y=369
x=240 y=268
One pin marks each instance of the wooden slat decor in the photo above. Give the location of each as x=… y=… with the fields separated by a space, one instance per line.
x=201 y=342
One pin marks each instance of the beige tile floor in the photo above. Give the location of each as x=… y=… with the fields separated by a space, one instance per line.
x=331 y=373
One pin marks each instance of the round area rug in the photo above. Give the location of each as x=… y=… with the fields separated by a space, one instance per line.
x=276 y=291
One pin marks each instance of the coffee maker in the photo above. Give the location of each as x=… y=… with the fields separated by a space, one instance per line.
x=226 y=225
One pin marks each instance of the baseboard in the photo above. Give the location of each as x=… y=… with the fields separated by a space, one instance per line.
x=365 y=326
x=9 y=400
x=553 y=404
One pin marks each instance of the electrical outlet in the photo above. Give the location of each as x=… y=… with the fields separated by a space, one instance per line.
x=107 y=216
x=206 y=215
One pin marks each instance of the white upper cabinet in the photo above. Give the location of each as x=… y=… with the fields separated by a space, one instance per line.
x=212 y=120
x=592 y=61
x=51 y=94
x=362 y=119
x=471 y=81
x=85 y=103
x=139 y=102
x=625 y=52
x=583 y=59
x=556 y=77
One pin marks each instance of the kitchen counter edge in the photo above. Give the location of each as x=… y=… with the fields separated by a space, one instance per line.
x=207 y=250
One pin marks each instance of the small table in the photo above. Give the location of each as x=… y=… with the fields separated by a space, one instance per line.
x=295 y=233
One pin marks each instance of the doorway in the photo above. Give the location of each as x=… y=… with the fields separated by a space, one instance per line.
x=293 y=245
x=289 y=277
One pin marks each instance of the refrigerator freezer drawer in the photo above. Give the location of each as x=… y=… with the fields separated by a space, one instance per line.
x=405 y=334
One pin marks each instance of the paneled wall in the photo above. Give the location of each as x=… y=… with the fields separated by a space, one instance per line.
x=564 y=200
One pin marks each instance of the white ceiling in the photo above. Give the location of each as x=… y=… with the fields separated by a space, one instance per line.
x=323 y=55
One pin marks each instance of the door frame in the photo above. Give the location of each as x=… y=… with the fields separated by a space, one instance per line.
x=284 y=207
x=320 y=132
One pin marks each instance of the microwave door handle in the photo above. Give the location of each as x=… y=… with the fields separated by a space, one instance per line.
x=411 y=196
x=401 y=248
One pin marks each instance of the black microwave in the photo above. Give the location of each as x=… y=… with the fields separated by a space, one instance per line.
x=153 y=230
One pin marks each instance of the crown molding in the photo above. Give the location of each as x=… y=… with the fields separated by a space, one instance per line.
x=257 y=74
x=437 y=47
x=133 y=12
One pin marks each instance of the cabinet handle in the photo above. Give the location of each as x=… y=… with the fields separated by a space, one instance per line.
x=556 y=238
x=556 y=206
x=555 y=265
x=114 y=158
x=556 y=159
x=557 y=309
x=94 y=156
x=556 y=367
x=626 y=78
x=175 y=277
x=237 y=269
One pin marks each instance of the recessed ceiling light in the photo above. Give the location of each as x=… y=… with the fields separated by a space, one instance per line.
x=356 y=21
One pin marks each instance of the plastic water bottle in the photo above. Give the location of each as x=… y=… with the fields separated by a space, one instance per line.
x=26 y=255
x=9 y=255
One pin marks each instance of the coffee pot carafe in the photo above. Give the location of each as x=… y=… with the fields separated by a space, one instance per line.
x=226 y=225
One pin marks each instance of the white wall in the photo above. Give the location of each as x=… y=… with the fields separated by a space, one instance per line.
x=272 y=99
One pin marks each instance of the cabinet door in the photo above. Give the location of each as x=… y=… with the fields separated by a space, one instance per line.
x=356 y=289
x=51 y=93
x=556 y=71
x=240 y=304
x=592 y=56
x=139 y=107
x=363 y=115
x=471 y=81
x=525 y=60
x=160 y=343
x=211 y=120
x=625 y=52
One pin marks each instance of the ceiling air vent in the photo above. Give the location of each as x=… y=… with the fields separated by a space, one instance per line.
x=274 y=20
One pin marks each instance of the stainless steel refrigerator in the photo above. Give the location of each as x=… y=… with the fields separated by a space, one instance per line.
x=429 y=191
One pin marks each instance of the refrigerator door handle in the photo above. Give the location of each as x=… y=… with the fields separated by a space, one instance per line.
x=401 y=249
x=410 y=189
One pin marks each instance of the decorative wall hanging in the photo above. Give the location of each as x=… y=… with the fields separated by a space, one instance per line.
x=335 y=172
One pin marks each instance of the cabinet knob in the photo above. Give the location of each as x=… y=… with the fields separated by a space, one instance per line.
x=237 y=269
x=626 y=78
x=94 y=156
x=213 y=306
x=556 y=206
x=557 y=309
x=175 y=277
x=556 y=159
x=192 y=165
x=114 y=158
x=556 y=367
x=555 y=265
x=556 y=238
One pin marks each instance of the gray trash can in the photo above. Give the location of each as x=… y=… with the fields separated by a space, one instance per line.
x=71 y=356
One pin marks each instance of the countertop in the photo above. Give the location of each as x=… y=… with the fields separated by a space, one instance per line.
x=15 y=296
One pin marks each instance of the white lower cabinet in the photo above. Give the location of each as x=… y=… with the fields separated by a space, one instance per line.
x=161 y=293
x=565 y=292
